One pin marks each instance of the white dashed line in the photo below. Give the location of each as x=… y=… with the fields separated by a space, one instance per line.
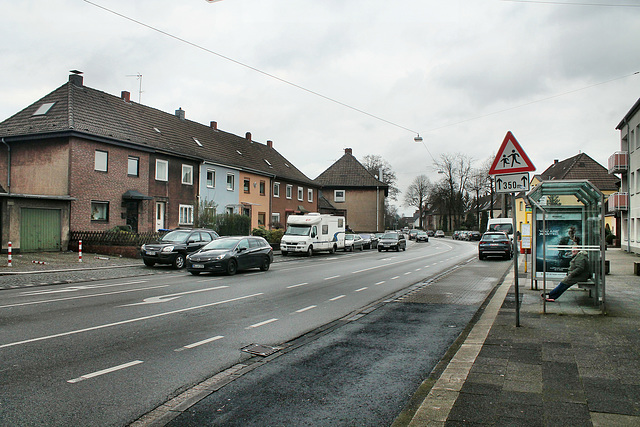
x=298 y=285
x=361 y=289
x=407 y=273
x=337 y=298
x=199 y=343
x=332 y=277
x=380 y=283
x=396 y=277
x=302 y=310
x=266 y=322
x=104 y=371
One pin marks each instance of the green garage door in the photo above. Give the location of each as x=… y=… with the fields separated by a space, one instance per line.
x=39 y=230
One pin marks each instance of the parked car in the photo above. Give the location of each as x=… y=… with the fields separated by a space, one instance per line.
x=456 y=235
x=475 y=236
x=174 y=246
x=422 y=236
x=439 y=233
x=370 y=241
x=495 y=244
x=392 y=240
x=431 y=233
x=353 y=242
x=230 y=255
x=412 y=234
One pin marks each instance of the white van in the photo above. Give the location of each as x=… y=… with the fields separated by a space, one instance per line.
x=501 y=224
x=313 y=232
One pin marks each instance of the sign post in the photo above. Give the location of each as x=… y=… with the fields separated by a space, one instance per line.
x=508 y=167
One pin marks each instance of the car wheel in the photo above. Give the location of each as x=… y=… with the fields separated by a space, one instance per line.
x=333 y=249
x=283 y=253
x=178 y=261
x=379 y=249
x=232 y=267
x=480 y=256
x=149 y=263
x=195 y=273
x=265 y=264
x=404 y=248
x=361 y=248
x=397 y=248
x=310 y=251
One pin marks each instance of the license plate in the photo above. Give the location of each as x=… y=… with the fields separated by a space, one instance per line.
x=197 y=266
x=151 y=252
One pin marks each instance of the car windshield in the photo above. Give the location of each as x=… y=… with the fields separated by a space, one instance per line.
x=494 y=237
x=298 y=230
x=176 y=236
x=349 y=237
x=220 y=244
x=507 y=228
x=390 y=236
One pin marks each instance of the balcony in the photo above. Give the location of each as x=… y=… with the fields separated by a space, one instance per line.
x=618 y=202
x=619 y=162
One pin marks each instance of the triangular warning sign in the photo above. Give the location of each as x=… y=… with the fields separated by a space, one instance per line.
x=511 y=158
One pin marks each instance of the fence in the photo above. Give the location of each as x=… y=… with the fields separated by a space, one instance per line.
x=124 y=243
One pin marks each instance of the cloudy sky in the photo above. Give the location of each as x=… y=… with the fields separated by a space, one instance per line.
x=317 y=76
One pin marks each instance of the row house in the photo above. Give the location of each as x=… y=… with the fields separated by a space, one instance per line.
x=81 y=159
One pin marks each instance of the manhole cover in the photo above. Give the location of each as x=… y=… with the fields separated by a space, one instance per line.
x=261 y=350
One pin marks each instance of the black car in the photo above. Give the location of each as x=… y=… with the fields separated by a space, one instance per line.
x=370 y=241
x=174 y=246
x=230 y=255
x=495 y=244
x=475 y=236
x=392 y=240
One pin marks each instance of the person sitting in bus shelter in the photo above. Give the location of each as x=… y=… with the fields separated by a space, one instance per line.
x=578 y=272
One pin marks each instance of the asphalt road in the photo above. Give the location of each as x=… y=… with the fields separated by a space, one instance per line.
x=106 y=352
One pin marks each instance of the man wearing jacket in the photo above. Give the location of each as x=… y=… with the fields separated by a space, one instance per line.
x=578 y=272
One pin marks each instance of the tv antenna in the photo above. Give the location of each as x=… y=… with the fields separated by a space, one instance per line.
x=139 y=76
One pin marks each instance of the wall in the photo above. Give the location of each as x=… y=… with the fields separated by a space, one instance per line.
x=253 y=200
x=219 y=193
x=287 y=206
x=361 y=208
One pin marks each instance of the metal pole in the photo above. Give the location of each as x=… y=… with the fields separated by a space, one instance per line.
x=515 y=260
x=544 y=260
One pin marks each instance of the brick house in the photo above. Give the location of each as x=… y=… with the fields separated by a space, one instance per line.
x=350 y=187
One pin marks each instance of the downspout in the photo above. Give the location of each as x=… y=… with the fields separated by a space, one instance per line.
x=629 y=191
x=8 y=166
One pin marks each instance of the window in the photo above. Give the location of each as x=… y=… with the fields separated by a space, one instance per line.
x=43 y=109
x=309 y=195
x=275 y=219
x=101 y=160
x=262 y=188
x=211 y=178
x=261 y=218
x=187 y=174
x=231 y=182
x=186 y=215
x=338 y=195
x=229 y=210
x=246 y=185
x=162 y=170
x=276 y=189
x=99 y=211
x=300 y=193
x=133 y=166
x=289 y=191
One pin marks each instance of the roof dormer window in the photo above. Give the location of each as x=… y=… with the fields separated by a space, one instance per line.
x=197 y=142
x=267 y=162
x=44 y=109
x=157 y=130
x=238 y=151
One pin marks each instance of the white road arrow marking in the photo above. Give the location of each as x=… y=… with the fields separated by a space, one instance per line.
x=166 y=298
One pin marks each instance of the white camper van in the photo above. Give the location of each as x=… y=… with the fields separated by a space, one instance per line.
x=313 y=232
x=501 y=224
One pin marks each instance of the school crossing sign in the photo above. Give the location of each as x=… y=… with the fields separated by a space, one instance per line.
x=511 y=167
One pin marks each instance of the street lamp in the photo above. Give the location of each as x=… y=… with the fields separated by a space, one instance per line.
x=418 y=139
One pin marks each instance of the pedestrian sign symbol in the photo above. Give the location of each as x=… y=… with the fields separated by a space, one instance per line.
x=511 y=158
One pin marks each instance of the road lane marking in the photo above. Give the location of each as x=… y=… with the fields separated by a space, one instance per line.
x=302 y=310
x=209 y=280
x=380 y=283
x=418 y=269
x=407 y=273
x=125 y=322
x=105 y=371
x=298 y=285
x=199 y=343
x=332 y=277
x=395 y=277
x=337 y=298
x=170 y=297
x=82 y=296
x=266 y=322
x=361 y=289
x=80 y=288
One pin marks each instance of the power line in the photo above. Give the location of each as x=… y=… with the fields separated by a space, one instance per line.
x=564 y=3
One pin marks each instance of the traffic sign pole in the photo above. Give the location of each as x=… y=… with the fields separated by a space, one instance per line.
x=515 y=260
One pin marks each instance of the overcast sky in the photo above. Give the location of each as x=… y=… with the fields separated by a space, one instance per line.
x=460 y=72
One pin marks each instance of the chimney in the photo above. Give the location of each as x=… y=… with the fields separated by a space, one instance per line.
x=348 y=151
x=248 y=136
x=213 y=125
x=126 y=96
x=180 y=113
x=76 y=78
x=269 y=143
x=555 y=161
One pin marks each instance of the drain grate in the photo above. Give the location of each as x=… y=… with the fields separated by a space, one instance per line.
x=261 y=350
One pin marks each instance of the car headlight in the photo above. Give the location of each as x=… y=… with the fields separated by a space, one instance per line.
x=144 y=247
x=167 y=249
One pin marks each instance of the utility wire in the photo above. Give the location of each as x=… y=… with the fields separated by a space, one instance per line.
x=564 y=3
x=242 y=64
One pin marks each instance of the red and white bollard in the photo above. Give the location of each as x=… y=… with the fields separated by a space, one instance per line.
x=9 y=253
x=80 y=251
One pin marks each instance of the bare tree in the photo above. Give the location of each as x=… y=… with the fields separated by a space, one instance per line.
x=478 y=185
x=456 y=169
x=417 y=195
x=374 y=164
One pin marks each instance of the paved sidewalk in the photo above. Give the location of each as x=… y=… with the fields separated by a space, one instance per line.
x=570 y=366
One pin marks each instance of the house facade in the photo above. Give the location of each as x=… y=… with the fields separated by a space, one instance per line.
x=349 y=186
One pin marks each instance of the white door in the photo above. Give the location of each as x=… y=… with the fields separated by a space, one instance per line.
x=160 y=209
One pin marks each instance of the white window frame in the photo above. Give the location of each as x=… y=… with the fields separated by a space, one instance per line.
x=213 y=178
x=101 y=161
x=276 y=189
x=187 y=174
x=339 y=195
x=289 y=191
x=99 y=211
x=233 y=182
x=135 y=159
x=165 y=164
x=310 y=194
x=300 y=194
x=185 y=216
x=275 y=218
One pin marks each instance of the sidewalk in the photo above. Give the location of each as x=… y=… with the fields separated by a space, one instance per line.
x=570 y=366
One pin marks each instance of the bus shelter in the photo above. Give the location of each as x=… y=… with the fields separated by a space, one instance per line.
x=566 y=214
